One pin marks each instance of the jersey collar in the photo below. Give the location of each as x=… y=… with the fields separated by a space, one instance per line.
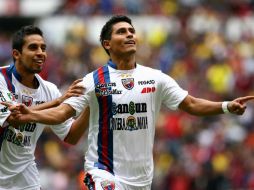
x=15 y=72
x=113 y=65
x=18 y=76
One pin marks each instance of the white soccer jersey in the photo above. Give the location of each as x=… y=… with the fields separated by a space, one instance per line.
x=16 y=154
x=124 y=105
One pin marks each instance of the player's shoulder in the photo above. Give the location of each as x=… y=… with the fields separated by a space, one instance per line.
x=89 y=77
x=4 y=72
x=154 y=74
x=45 y=83
x=148 y=70
x=4 y=67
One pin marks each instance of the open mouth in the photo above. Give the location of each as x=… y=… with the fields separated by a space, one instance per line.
x=131 y=42
x=39 y=61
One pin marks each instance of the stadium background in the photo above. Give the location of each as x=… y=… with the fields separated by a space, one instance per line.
x=206 y=45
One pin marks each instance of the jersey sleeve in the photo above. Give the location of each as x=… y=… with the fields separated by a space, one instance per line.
x=172 y=94
x=56 y=93
x=81 y=102
x=53 y=89
x=5 y=96
x=62 y=129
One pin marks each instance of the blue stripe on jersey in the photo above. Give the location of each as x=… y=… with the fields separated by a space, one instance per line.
x=15 y=73
x=105 y=136
x=7 y=73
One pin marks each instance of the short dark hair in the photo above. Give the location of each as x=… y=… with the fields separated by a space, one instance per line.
x=106 y=30
x=18 y=37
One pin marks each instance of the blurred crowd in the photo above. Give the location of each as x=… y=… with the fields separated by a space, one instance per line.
x=211 y=54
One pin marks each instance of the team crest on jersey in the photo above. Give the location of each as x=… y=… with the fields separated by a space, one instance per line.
x=27 y=100
x=108 y=185
x=128 y=83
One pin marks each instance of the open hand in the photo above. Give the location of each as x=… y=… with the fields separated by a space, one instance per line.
x=76 y=89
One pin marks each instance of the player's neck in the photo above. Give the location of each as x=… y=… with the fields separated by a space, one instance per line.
x=124 y=63
x=28 y=79
x=30 y=82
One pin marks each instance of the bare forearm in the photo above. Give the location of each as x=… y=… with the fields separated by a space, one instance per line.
x=47 y=105
x=52 y=116
x=79 y=126
x=48 y=116
x=201 y=107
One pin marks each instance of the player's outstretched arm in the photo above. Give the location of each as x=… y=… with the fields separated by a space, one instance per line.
x=51 y=116
x=78 y=127
x=203 y=107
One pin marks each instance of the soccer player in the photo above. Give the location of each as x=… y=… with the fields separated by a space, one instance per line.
x=20 y=82
x=124 y=99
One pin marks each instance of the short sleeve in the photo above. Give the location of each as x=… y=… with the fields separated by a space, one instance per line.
x=172 y=93
x=81 y=102
x=62 y=129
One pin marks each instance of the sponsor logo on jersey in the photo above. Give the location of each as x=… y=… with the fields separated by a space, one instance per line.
x=19 y=137
x=128 y=83
x=29 y=127
x=12 y=136
x=27 y=100
x=106 y=89
x=130 y=123
x=6 y=97
x=146 y=82
x=2 y=98
x=148 y=90
x=125 y=75
x=130 y=108
x=39 y=102
x=5 y=109
x=16 y=96
x=10 y=96
x=108 y=185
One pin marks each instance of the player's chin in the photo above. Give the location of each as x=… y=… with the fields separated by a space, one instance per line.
x=132 y=50
x=38 y=70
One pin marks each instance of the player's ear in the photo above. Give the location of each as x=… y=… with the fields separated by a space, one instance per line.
x=106 y=44
x=15 y=54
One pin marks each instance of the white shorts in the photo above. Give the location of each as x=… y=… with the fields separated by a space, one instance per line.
x=98 y=179
x=27 y=180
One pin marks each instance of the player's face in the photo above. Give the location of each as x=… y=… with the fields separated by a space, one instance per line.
x=33 y=55
x=123 y=39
